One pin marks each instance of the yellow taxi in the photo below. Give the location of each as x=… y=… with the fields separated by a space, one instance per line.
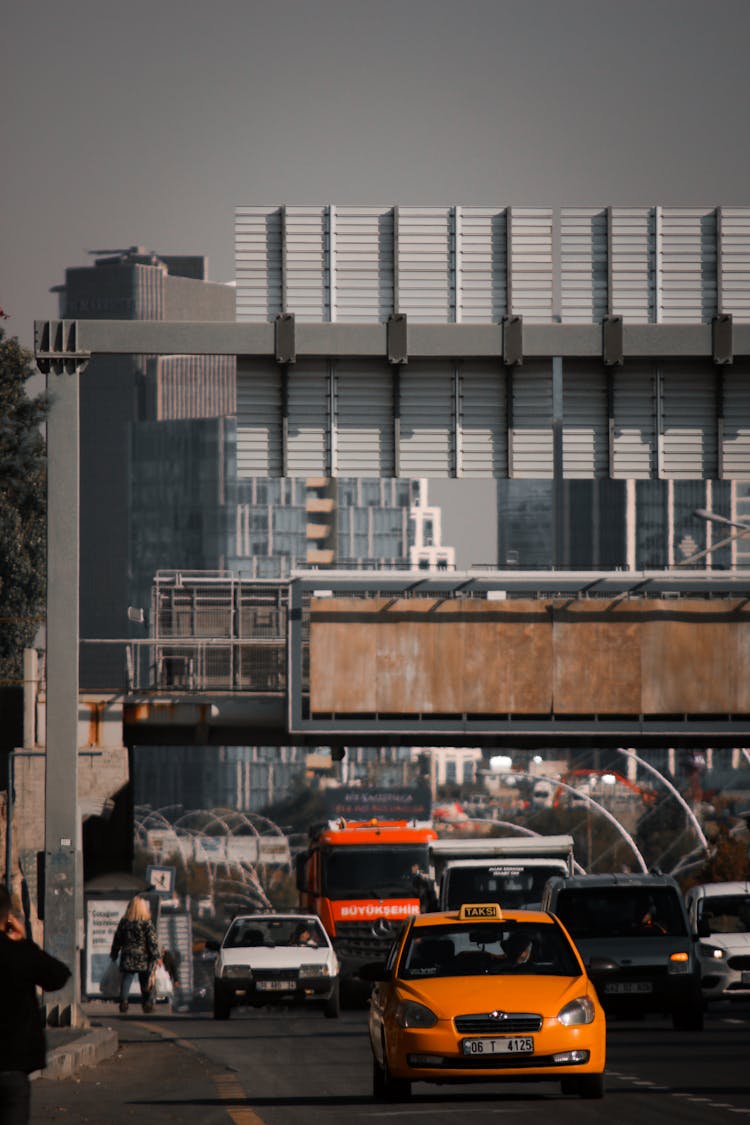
x=483 y=994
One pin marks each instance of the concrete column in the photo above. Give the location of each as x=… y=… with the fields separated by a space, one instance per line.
x=63 y=896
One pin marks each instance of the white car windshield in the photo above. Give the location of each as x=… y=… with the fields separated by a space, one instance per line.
x=248 y=933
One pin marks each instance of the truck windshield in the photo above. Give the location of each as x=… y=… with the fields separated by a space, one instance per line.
x=378 y=872
x=514 y=887
x=602 y=912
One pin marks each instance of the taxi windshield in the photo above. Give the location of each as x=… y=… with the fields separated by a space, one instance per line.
x=470 y=949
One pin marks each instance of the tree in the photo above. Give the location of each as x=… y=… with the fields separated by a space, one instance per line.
x=23 y=504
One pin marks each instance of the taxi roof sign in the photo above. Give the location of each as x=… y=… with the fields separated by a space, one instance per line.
x=473 y=910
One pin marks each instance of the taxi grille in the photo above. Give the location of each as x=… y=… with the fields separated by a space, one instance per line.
x=511 y=1023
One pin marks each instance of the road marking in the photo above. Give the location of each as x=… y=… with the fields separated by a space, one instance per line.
x=228 y=1087
x=231 y=1090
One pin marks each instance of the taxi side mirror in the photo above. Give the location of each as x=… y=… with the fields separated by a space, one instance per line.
x=373 y=972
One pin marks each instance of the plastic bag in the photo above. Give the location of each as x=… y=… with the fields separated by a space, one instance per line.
x=163 y=987
x=109 y=985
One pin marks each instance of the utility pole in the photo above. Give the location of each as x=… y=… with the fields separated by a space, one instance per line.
x=63 y=877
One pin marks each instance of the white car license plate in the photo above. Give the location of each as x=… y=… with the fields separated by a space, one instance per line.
x=275 y=985
x=628 y=987
x=507 y=1045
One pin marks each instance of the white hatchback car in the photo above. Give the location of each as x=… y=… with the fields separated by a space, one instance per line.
x=272 y=959
x=720 y=914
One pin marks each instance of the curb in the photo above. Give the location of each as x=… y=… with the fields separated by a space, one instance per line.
x=87 y=1050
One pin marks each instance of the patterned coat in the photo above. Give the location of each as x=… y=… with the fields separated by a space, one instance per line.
x=137 y=945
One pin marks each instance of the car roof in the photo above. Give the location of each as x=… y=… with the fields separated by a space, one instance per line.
x=613 y=880
x=736 y=887
x=291 y=917
x=445 y=917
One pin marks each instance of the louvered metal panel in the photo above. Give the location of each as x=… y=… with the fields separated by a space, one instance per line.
x=583 y=264
x=687 y=258
x=633 y=262
x=427 y=420
x=309 y=427
x=148 y=292
x=426 y=290
x=531 y=263
x=688 y=411
x=735 y=262
x=736 y=452
x=585 y=421
x=481 y=251
x=364 y=419
x=363 y=273
x=482 y=435
x=634 y=443
x=307 y=278
x=532 y=447
x=258 y=419
x=258 y=262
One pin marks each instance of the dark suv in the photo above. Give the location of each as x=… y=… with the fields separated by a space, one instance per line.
x=632 y=932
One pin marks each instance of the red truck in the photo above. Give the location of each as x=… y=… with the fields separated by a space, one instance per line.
x=362 y=878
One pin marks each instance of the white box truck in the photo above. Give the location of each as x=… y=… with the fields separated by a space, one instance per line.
x=510 y=870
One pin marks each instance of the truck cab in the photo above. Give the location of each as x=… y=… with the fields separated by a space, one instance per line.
x=511 y=870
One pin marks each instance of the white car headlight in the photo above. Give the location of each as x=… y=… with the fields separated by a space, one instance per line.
x=314 y=971
x=577 y=1012
x=712 y=951
x=237 y=971
x=411 y=1014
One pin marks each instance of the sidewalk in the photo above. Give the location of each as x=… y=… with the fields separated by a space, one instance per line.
x=69 y=1049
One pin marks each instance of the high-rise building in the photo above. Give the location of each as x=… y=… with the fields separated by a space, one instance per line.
x=133 y=284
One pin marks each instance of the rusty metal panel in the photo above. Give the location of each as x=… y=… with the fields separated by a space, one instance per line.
x=429 y=657
x=695 y=658
x=468 y=657
x=597 y=659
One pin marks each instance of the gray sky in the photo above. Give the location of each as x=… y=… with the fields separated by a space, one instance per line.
x=149 y=122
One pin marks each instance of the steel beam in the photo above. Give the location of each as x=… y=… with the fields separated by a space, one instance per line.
x=115 y=337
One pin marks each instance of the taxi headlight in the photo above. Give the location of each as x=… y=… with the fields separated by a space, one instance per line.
x=577 y=1012
x=314 y=971
x=411 y=1014
x=712 y=951
x=237 y=971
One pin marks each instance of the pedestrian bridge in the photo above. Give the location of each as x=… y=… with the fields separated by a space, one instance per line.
x=482 y=658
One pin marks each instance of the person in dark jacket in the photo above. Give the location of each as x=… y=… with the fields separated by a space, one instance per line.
x=23 y=968
x=136 y=944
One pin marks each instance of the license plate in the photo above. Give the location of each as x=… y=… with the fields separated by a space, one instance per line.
x=507 y=1045
x=628 y=987
x=275 y=985
x=744 y=977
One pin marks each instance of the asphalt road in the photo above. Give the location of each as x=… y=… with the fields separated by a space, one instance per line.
x=290 y=1068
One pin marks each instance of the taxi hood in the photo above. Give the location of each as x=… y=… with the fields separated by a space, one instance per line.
x=451 y=996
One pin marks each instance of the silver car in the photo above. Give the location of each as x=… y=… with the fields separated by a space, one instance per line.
x=720 y=914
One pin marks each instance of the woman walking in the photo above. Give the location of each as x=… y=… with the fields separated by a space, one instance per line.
x=136 y=943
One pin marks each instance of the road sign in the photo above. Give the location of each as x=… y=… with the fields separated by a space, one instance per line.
x=162 y=880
